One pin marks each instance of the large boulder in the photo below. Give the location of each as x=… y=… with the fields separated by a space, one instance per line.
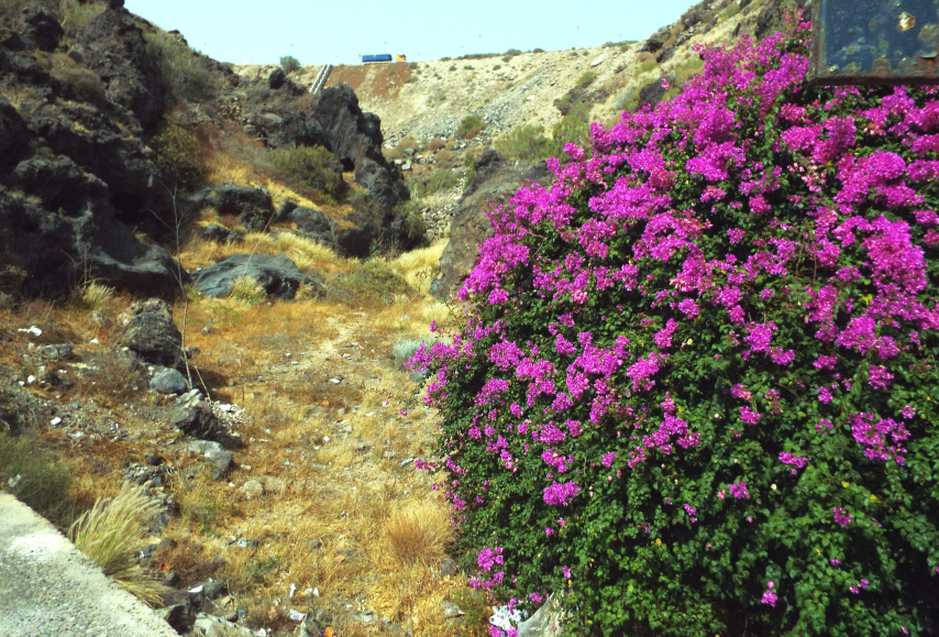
x=147 y=329
x=253 y=206
x=311 y=223
x=279 y=276
x=113 y=45
x=494 y=180
x=55 y=249
x=80 y=193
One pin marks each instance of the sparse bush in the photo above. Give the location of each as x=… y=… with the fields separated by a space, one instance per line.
x=696 y=389
x=311 y=168
x=442 y=179
x=248 y=290
x=574 y=128
x=185 y=73
x=470 y=126
x=113 y=532
x=289 y=64
x=577 y=96
x=80 y=82
x=647 y=62
x=75 y=14
x=179 y=156
x=34 y=476
x=585 y=80
x=527 y=142
x=404 y=349
x=686 y=70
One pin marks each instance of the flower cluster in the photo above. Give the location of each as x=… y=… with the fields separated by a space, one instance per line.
x=734 y=293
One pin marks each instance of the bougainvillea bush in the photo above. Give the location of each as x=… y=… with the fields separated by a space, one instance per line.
x=696 y=393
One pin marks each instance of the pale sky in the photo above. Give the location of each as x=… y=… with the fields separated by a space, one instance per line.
x=338 y=32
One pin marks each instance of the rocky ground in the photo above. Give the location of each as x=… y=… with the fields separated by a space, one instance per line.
x=283 y=474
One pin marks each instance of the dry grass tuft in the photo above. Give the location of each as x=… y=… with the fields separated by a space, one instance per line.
x=95 y=296
x=418 y=532
x=248 y=290
x=112 y=532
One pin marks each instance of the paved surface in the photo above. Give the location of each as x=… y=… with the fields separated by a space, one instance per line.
x=49 y=589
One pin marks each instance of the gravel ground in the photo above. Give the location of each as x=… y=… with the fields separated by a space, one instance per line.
x=49 y=589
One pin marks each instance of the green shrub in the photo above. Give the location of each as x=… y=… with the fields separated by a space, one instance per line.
x=311 y=168
x=526 y=142
x=436 y=181
x=185 y=73
x=34 y=476
x=289 y=64
x=179 y=156
x=470 y=126
x=371 y=282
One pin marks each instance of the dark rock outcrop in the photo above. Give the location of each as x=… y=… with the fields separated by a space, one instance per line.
x=339 y=124
x=193 y=415
x=41 y=29
x=335 y=120
x=77 y=182
x=277 y=79
x=495 y=179
x=278 y=275
x=147 y=329
x=14 y=136
x=113 y=46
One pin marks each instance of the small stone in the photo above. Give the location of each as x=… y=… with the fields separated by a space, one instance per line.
x=253 y=489
x=449 y=568
x=57 y=352
x=451 y=610
x=167 y=380
x=220 y=459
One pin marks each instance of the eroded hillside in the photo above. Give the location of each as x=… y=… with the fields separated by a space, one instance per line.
x=424 y=100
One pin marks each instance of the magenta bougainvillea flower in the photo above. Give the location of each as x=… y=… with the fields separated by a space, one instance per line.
x=731 y=293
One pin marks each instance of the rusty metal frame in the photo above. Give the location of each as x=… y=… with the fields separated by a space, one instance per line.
x=818 y=74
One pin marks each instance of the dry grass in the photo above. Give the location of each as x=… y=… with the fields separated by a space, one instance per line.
x=418 y=532
x=112 y=532
x=95 y=296
x=343 y=509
